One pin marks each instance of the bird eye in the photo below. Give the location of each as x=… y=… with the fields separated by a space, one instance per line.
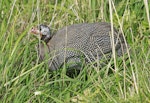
x=39 y=27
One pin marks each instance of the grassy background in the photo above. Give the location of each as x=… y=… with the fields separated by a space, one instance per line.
x=22 y=79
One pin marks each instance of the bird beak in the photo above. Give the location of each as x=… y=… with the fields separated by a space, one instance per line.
x=36 y=31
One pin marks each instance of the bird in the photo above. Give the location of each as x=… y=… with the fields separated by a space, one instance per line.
x=77 y=43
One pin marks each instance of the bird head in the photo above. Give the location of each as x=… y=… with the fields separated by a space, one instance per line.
x=43 y=31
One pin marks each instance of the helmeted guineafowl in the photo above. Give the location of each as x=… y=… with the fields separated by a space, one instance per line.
x=72 y=44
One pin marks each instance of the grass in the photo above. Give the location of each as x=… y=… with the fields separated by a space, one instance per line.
x=24 y=80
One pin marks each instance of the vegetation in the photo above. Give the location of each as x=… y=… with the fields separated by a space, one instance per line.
x=23 y=79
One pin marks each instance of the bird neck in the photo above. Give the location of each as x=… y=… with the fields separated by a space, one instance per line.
x=46 y=39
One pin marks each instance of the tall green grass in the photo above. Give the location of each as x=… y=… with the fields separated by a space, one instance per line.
x=23 y=79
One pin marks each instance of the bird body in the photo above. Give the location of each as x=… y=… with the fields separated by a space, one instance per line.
x=90 y=41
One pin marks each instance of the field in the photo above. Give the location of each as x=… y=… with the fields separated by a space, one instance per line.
x=24 y=80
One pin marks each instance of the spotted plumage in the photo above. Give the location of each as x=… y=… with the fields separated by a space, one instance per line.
x=88 y=41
